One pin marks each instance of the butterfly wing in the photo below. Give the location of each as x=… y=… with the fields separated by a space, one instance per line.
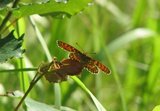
x=89 y=63
x=102 y=67
x=72 y=67
x=91 y=68
x=67 y=47
x=73 y=56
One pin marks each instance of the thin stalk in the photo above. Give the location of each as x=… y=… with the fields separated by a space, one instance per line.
x=117 y=80
x=17 y=70
x=33 y=82
x=57 y=90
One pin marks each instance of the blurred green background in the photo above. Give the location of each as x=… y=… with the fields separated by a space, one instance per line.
x=125 y=35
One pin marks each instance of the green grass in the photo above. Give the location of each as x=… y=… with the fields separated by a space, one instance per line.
x=125 y=37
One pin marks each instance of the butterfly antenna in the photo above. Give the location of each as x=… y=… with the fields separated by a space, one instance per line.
x=83 y=50
x=92 y=53
x=80 y=47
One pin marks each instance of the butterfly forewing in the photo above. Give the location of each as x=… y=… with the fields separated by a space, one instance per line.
x=66 y=47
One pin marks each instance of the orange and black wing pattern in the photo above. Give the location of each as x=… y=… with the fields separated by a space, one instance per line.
x=102 y=67
x=67 y=47
x=91 y=68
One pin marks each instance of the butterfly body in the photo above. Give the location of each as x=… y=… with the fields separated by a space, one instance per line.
x=89 y=63
x=80 y=57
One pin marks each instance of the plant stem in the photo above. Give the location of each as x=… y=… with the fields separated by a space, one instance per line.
x=33 y=82
x=57 y=89
x=16 y=70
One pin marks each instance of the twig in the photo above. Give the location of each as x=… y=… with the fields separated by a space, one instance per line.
x=33 y=82
x=42 y=70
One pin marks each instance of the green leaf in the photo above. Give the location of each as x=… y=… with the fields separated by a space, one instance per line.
x=10 y=47
x=5 y=2
x=68 y=8
x=157 y=108
x=38 y=106
x=96 y=102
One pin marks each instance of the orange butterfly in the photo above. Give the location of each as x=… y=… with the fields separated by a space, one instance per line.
x=89 y=63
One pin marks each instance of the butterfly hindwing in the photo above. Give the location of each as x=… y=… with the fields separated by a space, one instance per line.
x=73 y=56
x=102 y=67
x=92 y=68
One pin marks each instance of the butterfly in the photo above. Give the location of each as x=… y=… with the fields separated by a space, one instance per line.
x=60 y=70
x=89 y=63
